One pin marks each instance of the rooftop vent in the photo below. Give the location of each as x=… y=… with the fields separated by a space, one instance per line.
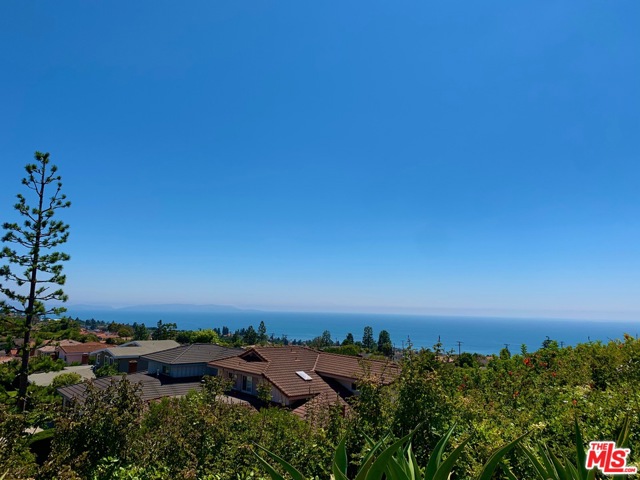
x=303 y=376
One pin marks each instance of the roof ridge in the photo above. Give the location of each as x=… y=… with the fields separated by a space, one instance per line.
x=254 y=350
x=358 y=357
x=183 y=352
x=315 y=364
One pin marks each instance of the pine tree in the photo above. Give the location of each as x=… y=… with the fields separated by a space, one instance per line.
x=250 y=336
x=326 y=339
x=33 y=240
x=164 y=331
x=367 y=338
x=348 y=340
x=384 y=343
x=140 y=332
x=262 y=332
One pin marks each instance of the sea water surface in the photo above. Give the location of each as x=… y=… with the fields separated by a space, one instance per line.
x=484 y=335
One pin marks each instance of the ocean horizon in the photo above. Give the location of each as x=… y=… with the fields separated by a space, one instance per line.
x=484 y=335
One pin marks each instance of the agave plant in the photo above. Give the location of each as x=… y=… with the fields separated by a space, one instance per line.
x=393 y=462
x=551 y=467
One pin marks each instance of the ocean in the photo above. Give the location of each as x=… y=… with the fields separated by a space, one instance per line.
x=477 y=334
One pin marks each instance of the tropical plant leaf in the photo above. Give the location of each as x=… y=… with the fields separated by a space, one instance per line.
x=436 y=456
x=581 y=456
x=560 y=468
x=270 y=470
x=415 y=468
x=572 y=471
x=369 y=458
x=546 y=460
x=509 y=474
x=290 y=469
x=623 y=436
x=446 y=467
x=379 y=466
x=395 y=470
x=340 y=462
x=540 y=469
x=493 y=461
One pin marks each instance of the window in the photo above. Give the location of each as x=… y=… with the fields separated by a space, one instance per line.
x=247 y=383
x=166 y=369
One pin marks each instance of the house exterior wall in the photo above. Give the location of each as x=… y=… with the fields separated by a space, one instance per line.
x=123 y=364
x=70 y=358
x=237 y=383
x=348 y=383
x=278 y=397
x=177 y=371
x=104 y=358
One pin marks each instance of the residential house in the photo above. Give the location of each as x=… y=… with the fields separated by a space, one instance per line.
x=8 y=358
x=188 y=360
x=19 y=342
x=150 y=388
x=300 y=377
x=50 y=349
x=127 y=357
x=78 y=353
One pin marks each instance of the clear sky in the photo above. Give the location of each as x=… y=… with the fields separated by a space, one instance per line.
x=474 y=157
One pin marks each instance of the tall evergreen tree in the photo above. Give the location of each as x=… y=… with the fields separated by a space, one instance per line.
x=367 y=338
x=348 y=340
x=384 y=343
x=262 y=332
x=250 y=336
x=34 y=240
x=164 y=331
x=326 y=339
x=140 y=332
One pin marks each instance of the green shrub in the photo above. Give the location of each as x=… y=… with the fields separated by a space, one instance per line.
x=44 y=364
x=65 y=379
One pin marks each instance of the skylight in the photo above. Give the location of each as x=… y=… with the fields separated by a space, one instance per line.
x=303 y=376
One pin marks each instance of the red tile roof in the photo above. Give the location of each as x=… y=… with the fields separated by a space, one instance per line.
x=82 y=348
x=279 y=366
x=349 y=367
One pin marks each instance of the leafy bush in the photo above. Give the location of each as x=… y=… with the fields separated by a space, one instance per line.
x=41 y=364
x=106 y=371
x=65 y=379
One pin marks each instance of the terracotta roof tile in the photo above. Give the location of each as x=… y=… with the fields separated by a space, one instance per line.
x=151 y=387
x=82 y=348
x=279 y=366
x=195 y=353
x=356 y=367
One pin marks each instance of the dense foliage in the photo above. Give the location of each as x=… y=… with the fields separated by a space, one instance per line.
x=540 y=394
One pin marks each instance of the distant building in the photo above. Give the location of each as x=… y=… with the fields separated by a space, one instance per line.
x=50 y=349
x=188 y=360
x=78 y=353
x=127 y=357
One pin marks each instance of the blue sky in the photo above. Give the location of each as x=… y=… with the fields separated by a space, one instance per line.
x=473 y=157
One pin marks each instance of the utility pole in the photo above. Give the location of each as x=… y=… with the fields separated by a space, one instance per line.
x=561 y=344
x=459 y=343
x=506 y=345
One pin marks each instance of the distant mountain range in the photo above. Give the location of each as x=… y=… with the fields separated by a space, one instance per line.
x=168 y=307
